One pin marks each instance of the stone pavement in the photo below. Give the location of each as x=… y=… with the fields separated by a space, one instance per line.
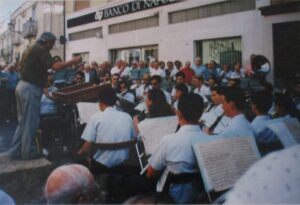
x=24 y=180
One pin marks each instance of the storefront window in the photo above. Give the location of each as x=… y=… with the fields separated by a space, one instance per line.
x=227 y=50
x=134 y=54
x=84 y=56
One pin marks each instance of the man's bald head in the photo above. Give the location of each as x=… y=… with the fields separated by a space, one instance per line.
x=69 y=184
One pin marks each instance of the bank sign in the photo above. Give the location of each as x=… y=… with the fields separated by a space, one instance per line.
x=130 y=7
x=123 y=9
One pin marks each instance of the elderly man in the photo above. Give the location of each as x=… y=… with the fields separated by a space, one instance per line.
x=189 y=72
x=90 y=75
x=69 y=184
x=198 y=67
x=35 y=62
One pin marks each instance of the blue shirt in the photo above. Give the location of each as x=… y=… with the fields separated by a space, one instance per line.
x=263 y=134
x=239 y=127
x=199 y=70
x=13 y=79
x=176 y=154
x=109 y=126
x=48 y=106
x=3 y=80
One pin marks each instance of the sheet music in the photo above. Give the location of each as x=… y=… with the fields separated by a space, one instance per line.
x=222 y=161
x=154 y=129
x=162 y=180
x=86 y=110
x=284 y=133
x=294 y=127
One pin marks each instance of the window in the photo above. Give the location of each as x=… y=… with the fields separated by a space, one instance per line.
x=81 y=4
x=134 y=25
x=226 y=50
x=138 y=53
x=84 y=55
x=91 y=33
x=211 y=10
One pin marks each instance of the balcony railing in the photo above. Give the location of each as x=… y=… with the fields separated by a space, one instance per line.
x=16 y=38
x=30 y=29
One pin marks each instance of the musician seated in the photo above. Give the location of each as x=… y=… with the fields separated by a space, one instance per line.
x=181 y=89
x=284 y=108
x=124 y=93
x=156 y=106
x=233 y=105
x=108 y=126
x=156 y=82
x=175 y=151
x=261 y=102
x=215 y=109
x=50 y=119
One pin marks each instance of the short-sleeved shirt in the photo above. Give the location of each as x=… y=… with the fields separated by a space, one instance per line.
x=275 y=179
x=263 y=134
x=175 y=153
x=109 y=126
x=35 y=62
x=239 y=126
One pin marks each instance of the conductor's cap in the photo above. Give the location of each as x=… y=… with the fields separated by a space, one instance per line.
x=47 y=37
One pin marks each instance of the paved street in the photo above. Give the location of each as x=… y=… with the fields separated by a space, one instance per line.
x=7 y=131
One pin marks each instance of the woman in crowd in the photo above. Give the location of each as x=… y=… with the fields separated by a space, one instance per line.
x=156 y=106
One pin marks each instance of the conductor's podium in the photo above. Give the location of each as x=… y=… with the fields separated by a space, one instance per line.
x=24 y=180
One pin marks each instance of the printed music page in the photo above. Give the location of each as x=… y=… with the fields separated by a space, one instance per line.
x=86 y=110
x=284 y=132
x=294 y=127
x=154 y=129
x=224 y=160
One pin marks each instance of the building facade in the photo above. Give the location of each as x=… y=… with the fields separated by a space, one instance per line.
x=26 y=24
x=220 y=30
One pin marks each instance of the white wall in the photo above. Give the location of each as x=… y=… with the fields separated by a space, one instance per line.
x=176 y=41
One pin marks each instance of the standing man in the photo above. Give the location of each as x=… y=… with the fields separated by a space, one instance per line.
x=35 y=62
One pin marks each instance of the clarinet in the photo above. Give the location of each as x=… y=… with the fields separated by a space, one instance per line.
x=215 y=124
x=142 y=115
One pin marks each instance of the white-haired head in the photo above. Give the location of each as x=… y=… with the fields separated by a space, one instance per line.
x=68 y=183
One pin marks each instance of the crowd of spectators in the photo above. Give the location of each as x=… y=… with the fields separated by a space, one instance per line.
x=158 y=89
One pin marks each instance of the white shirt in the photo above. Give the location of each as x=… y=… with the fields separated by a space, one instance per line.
x=275 y=179
x=241 y=74
x=204 y=90
x=173 y=92
x=239 y=126
x=116 y=70
x=109 y=126
x=158 y=71
x=168 y=97
x=225 y=121
x=127 y=96
x=175 y=152
x=141 y=90
x=87 y=77
x=173 y=73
